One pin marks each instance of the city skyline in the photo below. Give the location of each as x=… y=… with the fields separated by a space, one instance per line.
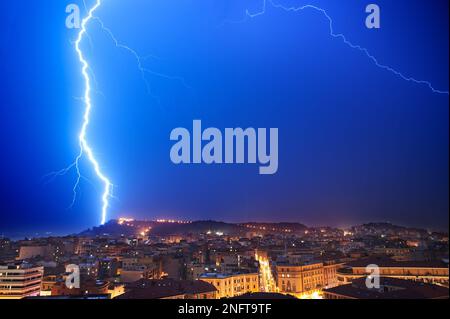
x=42 y=233
x=188 y=260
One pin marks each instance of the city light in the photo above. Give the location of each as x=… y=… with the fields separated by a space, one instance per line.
x=311 y=295
x=268 y=283
x=124 y=220
x=172 y=221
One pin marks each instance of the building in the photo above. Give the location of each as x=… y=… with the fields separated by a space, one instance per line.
x=194 y=270
x=108 y=268
x=232 y=285
x=433 y=272
x=89 y=268
x=169 y=289
x=47 y=284
x=32 y=251
x=300 y=279
x=330 y=269
x=5 y=243
x=87 y=287
x=19 y=280
x=395 y=253
x=134 y=269
x=390 y=288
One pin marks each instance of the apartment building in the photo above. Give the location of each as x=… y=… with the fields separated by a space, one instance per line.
x=232 y=285
x=19 y=280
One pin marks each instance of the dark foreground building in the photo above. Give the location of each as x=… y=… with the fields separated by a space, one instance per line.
x=169 y=289
x=390 y=288
x=264 y=296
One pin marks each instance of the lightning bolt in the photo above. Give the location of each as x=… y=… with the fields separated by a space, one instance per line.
x=89 y=76
x=85 y=148
x=139 y=60
x=249 y=15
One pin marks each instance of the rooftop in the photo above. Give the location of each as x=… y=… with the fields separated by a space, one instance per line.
x=163 y=288
x=214 y=275
x=387 y=262
x=264 y=296
x=16 y=265
x=390 y=288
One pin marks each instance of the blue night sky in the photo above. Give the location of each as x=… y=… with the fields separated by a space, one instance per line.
x=356 y=142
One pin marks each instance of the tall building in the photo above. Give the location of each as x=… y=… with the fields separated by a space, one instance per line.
x=19 y=280
x=232 y=285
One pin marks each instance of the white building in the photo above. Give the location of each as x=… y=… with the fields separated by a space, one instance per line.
x=19 y=280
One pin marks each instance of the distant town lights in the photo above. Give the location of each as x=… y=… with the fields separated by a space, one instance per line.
x=173 y=221
x=123 y=220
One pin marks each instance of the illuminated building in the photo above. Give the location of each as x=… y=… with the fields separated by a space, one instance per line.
x=134 y=269
x=172 y=239
x=47 y=284
x=330 y=269
x=19 y=280
x=108 y=268
x=300 y=279
x=305 y=280
x=89 y=268
x=232 y=285
x=433 y=272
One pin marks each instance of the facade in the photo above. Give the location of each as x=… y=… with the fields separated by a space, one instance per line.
x=306 y=278
x=19 y=280
x=232 y=285
x=423 y=271
x=134 y=269
x=47 y=285
x=28 y=252
x=330 y=274
x=301 y=278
